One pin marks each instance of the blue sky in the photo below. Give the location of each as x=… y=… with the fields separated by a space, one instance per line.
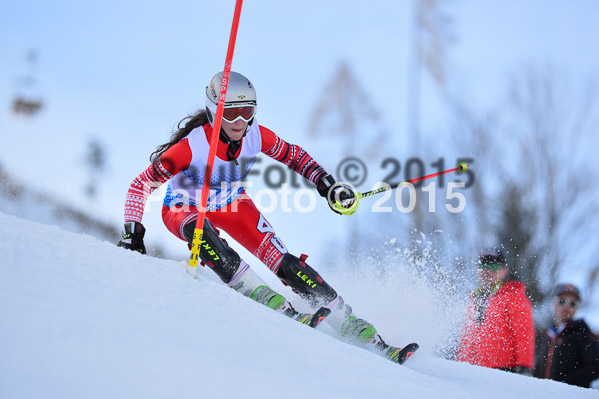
x=127 y=72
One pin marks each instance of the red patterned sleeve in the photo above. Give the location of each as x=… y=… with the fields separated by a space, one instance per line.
x=294 y=156
x=174 y=160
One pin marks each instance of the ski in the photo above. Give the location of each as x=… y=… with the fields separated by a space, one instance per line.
x=313 y=319
x=400 y=355
x=394 y=353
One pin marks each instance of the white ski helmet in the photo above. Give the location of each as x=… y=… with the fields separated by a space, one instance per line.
x=241 y=96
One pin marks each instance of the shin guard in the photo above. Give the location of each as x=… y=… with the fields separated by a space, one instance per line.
x=305 y=281
x=214 y=251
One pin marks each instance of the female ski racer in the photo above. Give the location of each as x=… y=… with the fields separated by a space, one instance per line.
x=182 y=162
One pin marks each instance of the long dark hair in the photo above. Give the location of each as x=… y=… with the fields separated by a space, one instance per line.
x=191 y=122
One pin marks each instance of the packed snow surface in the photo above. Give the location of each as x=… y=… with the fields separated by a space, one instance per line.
x=81 y=318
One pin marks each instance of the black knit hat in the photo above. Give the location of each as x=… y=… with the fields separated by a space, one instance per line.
x=491 y=256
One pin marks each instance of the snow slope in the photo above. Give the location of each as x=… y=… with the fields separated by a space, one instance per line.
x=81 y=318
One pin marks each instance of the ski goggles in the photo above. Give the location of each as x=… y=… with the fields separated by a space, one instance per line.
x=491 y=266
x=565 y=302
x=245 y=113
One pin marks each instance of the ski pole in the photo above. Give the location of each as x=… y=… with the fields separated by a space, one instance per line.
x=199 y=228
x=461 y=168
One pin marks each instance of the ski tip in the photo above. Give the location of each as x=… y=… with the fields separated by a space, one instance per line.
x=407 y=352
x=319 y=316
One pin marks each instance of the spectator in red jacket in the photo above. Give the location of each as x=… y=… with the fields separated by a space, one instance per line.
x=499 y=329
x=567 y=350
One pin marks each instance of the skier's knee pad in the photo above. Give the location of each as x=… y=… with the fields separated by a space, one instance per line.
x=214 y=251
x=304 y=280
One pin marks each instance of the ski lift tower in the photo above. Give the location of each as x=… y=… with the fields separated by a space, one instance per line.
x=27 y=101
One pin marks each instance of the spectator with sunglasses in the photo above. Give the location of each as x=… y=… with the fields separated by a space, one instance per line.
x=182 y=162
x=499 y=329
x=567 y=350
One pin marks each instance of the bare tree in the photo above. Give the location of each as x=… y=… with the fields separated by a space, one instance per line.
x=96 y=161
x=347 y=116
x=432 y=32
x=346 y=112
x=532 y=194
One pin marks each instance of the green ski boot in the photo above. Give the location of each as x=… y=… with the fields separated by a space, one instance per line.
x=269 y=298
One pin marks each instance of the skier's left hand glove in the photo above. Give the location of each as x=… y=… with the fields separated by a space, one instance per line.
x=523 y=371
x=342 y=198
x=518 y=370
x=133 y=237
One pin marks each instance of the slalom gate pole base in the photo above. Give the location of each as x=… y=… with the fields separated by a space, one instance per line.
x=192 y=267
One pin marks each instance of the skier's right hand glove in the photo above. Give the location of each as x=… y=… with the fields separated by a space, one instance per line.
x=133 y=237
x=342 y=198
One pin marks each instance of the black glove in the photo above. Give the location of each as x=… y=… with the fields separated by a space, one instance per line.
x=336 y=194
x=518 y=370
x=523 y=371
x=133 y=237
